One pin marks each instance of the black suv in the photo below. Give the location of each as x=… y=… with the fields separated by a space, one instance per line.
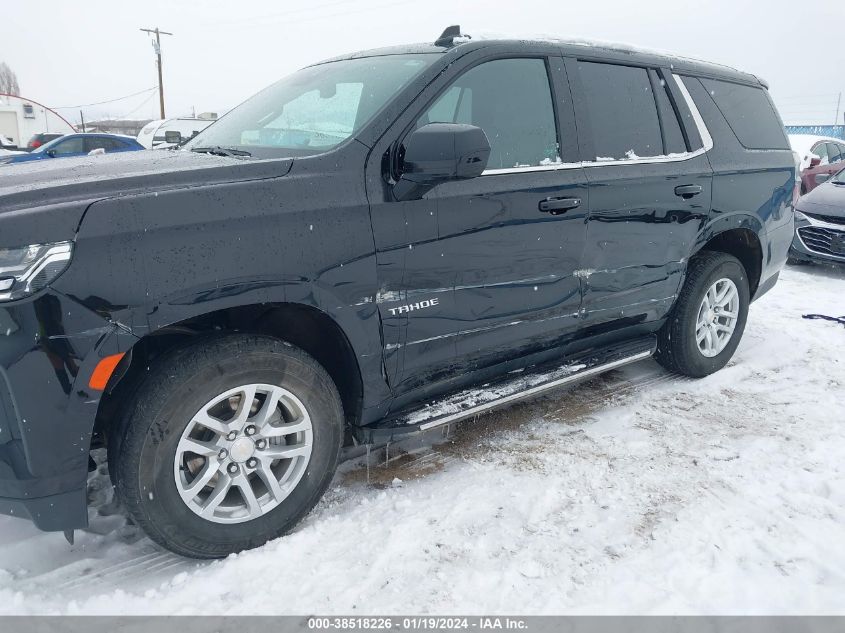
x=361 y=239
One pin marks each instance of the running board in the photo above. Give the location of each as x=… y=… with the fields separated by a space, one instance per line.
x=531 y=382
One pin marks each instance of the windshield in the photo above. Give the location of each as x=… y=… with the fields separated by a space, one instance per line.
x=839 y=178
x=315 y=109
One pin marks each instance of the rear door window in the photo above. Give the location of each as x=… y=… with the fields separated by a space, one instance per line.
x=511 y=100
x=834 y=152
x=820 y=150
x=673 y=137
x=622 y=111
x=750 y=114
x=108 y=144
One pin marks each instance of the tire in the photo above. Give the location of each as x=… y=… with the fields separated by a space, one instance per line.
x=678 y=348
x=153 y=471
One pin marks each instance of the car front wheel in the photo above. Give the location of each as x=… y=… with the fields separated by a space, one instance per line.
x=228 y=444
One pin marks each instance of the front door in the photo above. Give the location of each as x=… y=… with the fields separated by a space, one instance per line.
x=483 y=270
x=650 y=190
x=73 y=146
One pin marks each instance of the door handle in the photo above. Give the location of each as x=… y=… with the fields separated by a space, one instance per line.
x=687 y=191
x=556 y=206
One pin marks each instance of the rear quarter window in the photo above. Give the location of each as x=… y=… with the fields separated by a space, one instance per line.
x=749 y=112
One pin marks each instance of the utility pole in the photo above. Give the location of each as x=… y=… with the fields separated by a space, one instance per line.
x=838 y=103
x=157 y=46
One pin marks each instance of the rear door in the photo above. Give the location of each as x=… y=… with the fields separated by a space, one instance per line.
x=480 y=271
x=104 y=143
x=649 y=189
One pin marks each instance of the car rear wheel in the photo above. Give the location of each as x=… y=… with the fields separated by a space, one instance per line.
x=228 y=444
x=707 y=322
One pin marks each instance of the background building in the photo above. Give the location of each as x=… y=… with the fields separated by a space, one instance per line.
x=20 y=118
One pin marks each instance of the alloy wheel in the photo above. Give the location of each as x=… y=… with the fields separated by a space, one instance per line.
x=243 y=453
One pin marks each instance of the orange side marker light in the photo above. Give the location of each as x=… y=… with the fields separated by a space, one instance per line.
x=103 y=371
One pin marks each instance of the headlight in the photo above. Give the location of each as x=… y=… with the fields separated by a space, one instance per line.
x=799 y=215
x=26 y=270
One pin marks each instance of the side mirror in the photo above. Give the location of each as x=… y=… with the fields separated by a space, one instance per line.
x=51 y=153
x=173 y=136
x=815 y=161
x=439 y=152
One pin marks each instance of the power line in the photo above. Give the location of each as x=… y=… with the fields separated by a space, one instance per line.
x=142 y=104
x=88 y=105
x=811 y=97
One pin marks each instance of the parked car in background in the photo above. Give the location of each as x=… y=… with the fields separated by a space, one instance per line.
x=76 y=145
x=38 y=140
x=820 y=223
x=371 y=233
x=7 y=146
x=156 y=132
x=821 y=157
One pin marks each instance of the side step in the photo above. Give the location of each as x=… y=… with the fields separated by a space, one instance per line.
x=512 y=388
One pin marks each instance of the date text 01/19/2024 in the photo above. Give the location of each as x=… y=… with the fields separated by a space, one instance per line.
x=416 y=623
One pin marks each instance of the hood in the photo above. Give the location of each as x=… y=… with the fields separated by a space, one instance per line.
x=826 y=199
x=91 y=178
x=44 y=201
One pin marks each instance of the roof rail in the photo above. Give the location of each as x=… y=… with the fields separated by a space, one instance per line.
x=447 y=37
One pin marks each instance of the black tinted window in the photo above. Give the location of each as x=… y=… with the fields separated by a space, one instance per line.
x=622 y=111
x=750 y=114
x=108 y=144
x=673 y=137
x=510 y=99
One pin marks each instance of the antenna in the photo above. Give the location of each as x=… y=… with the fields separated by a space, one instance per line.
x=448 y=36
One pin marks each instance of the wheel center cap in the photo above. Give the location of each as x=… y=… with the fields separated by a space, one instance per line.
x=242 y=449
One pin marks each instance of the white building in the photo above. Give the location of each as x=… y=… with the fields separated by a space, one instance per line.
x=20 y=118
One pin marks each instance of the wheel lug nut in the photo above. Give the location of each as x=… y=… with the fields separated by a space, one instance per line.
x=261 y=444
x=232 y=435
x=252 y=462
x=223 y=454
x=233 y=469
x=250 y=430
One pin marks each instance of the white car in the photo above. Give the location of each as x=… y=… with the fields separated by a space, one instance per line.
x=154 y=132
x=821 y=157
x=7 y=147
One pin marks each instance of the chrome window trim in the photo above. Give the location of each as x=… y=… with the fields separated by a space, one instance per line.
x=706 y=140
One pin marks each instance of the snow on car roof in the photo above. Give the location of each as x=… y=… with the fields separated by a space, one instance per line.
x=480 y=38
x=803 y=143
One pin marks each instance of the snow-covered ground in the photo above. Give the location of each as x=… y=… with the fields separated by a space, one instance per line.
x=638 y=492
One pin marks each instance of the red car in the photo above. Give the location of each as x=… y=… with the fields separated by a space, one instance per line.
x=821 y=158
x=43 y=138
